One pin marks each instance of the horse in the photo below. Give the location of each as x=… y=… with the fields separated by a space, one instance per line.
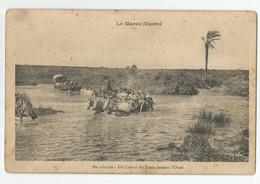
x=24 y=107
x=96 y=103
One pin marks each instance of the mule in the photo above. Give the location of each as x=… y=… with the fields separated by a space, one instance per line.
x=24 y=107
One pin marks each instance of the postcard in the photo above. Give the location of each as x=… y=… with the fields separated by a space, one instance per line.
x=130 y=91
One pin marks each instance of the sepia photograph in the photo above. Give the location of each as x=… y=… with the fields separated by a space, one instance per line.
x=128 y=91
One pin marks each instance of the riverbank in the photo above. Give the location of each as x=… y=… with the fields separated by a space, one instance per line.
x=154 y=81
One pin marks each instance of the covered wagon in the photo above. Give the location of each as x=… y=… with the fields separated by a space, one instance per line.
x=64 y=84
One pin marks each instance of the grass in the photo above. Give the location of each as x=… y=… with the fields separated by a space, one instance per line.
x=203 y=124
x=242 y=143
x=196 y=148
x=221 y=119
x=202 y=127
x=206 y=122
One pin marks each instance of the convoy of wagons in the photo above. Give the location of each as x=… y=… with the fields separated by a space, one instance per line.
x=106 y=100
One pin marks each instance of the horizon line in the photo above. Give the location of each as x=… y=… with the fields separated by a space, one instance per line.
x=129 y=67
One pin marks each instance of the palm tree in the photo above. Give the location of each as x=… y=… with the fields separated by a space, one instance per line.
x=209 y=42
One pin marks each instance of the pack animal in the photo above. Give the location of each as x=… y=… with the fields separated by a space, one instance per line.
x=24 y=107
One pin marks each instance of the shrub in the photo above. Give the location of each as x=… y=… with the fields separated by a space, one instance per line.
x=207 y=121
x=221 y=119
x=197 y=147
x=238 y=85
x=202 y=126
x=206 y=115
x=213 y=83
x=185 y=85
x=186 y=88
x=242 y=143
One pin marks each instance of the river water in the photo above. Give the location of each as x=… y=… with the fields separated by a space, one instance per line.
x=78 y=134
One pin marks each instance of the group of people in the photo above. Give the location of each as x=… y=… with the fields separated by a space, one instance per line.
x=70 y=86
x=123 y=98
x=64 y=84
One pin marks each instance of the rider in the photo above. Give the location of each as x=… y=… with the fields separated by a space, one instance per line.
x=106 y=90
x=141 y=95
x=111 y=103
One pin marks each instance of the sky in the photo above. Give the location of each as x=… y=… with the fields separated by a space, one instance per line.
x=92 y=38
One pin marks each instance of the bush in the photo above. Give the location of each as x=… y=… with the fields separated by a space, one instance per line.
x=238 y=85
x=197 y=148
x=242 y=143
x=221 y=119
x=213 y=83
x=186 y=88
x=202 y=126
x=205 y=115
x=185 y=85
x=207 y=121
